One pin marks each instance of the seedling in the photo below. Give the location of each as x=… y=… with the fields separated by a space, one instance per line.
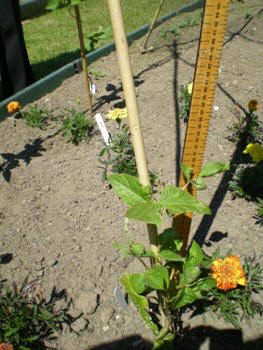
x=77 y=127
x=36 y=116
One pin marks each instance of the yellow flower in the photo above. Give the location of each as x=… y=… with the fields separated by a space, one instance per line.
x=253 y=105
x=190 y=88
x=256 y=152
x=228 y=273
x=6 y=346
x=13 y=106
x=117 y=113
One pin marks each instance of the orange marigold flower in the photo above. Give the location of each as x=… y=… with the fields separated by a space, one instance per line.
x=12 y=107
x=253 y=105
x=228 y=273
x=6 y=346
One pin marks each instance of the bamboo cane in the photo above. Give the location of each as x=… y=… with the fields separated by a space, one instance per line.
x=131 y=102
x=144 y=46
x=83 y=57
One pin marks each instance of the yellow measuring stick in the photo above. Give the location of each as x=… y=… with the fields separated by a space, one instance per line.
x=206 y=74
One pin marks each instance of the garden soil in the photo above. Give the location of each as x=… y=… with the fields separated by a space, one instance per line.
x=59 y=220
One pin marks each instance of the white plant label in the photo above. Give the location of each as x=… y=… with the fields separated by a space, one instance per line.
x=92 y=88
x=103 y=129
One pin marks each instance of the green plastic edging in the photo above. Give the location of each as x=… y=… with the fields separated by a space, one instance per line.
x=53 y=80
x=31 y=8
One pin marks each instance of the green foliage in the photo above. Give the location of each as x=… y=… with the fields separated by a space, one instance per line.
x=184 y=103
x=36 y=116
x=27 y=320
x=96 y=74
x=248 y=183
x=77 y=127
x=209 y=169
x=172 y=30
x=237 y=304
x=55 y=4
x=118 y=157
x=93 y=38
x=191 y=21
x=179 y=282
x=246 y=128
x=139 y=301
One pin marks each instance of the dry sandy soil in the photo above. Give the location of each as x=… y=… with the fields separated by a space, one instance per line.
x=59 y=221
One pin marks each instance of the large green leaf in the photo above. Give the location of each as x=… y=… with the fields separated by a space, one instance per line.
x=137 y=282
x=139 y=301
x=206 y=284
x=214 y=168
x=169 y=239
x=196 y=254
x=129 y=189
x=170 y=255
x=157 y=278
x=178 y=201
x=191 y=273
x=146 y=212
x=186 y=296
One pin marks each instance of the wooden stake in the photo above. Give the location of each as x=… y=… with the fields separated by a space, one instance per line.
x=131 y=102
x=144 y=46
x=83 y=58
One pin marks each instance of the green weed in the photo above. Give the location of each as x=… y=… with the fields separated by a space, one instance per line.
x=77 y=127
x=36 y=116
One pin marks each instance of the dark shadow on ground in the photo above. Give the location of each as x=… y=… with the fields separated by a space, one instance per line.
x=133 y=342
x=43 y=68
x=12 y=160
x=231 y=339
x=239 y=31
x=30 y=151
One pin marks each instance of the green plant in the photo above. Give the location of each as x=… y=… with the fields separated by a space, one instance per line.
x=27 y=320
x=191 y=21
x=36 y=116
x=77 y=127
x=246 y=127
x=118 y=157
x=236 y=304
x=96 y=74
x=185 y=102
x=169 y=282
x=173 y=30
x=248 y=183
x=248 y=14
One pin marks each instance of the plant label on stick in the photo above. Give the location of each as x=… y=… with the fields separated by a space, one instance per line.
x=103 y=129
x=92 y=88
